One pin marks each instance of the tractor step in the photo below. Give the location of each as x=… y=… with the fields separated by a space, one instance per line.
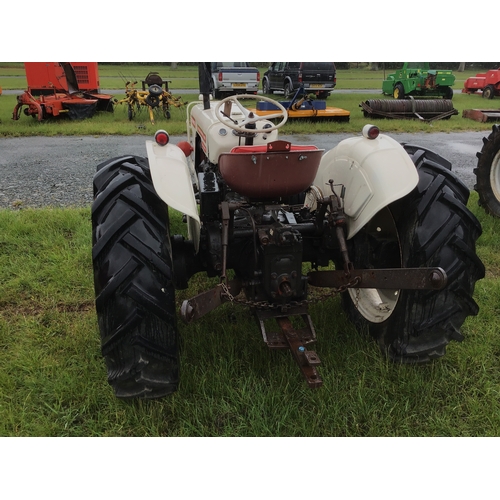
x=295 y=339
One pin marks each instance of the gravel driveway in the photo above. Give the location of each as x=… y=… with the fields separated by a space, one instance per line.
x=58 y=171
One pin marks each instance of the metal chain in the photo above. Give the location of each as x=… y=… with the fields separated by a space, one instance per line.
x=290 y=305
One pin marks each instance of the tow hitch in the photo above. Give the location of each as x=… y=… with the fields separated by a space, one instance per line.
x=294 y=338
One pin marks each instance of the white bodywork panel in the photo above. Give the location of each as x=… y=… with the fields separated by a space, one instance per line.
x=174 y=176
x=173 y=182
x=374 y=172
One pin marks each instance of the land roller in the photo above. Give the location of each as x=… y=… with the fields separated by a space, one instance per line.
x=423 y=109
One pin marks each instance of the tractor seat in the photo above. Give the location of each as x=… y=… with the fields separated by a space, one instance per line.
x=270 y=171
x=153 y=79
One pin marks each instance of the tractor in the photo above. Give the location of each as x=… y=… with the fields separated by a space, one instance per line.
x=278 y=226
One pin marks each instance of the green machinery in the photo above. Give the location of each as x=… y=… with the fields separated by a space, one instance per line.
x=417 y=79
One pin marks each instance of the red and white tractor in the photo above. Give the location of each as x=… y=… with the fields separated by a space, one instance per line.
x=381 y=224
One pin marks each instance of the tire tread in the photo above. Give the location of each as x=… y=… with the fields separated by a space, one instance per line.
x=487 y=199
x=135 y=297
x=436 y=229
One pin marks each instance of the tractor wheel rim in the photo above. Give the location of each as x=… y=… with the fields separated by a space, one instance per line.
x=495 y=176
x=376 y=304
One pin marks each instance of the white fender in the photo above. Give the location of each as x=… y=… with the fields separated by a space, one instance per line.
x=173 y=183
x=374 y=172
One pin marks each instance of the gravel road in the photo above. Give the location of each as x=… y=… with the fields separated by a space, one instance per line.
x=58 y=171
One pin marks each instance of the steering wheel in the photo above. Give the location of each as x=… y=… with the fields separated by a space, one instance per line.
x=249 y=117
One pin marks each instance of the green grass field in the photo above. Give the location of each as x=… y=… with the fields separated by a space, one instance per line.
x=53 y=378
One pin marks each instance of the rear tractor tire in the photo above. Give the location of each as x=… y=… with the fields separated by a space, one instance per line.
x=135 y=297
x=488 y=173
x=431 y=226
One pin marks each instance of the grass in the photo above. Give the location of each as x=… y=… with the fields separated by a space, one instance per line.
x=185 y=77
x=117 y=123
x=53 y=379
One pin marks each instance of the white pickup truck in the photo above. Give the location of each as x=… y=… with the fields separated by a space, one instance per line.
x=229 y=78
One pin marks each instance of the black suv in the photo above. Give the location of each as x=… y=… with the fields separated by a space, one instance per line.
x=317 y=77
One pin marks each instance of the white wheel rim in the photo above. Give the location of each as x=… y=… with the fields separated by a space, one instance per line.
x=374 y=304
x=495 y=176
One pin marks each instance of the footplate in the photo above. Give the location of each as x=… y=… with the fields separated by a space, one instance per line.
x=295 y=339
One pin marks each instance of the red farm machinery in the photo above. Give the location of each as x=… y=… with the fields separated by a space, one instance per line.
x=56 y=89
x=488 y=83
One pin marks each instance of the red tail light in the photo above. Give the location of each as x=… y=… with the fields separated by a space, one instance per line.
x=258 y=76
x=220 y=76
x=161 y=138
x=370 y=131
x=300 y=76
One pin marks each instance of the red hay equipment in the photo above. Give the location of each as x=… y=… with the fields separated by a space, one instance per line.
x=62 y=88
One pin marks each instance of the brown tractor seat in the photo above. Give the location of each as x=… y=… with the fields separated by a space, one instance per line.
x=153 y=78
x=276 y=170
